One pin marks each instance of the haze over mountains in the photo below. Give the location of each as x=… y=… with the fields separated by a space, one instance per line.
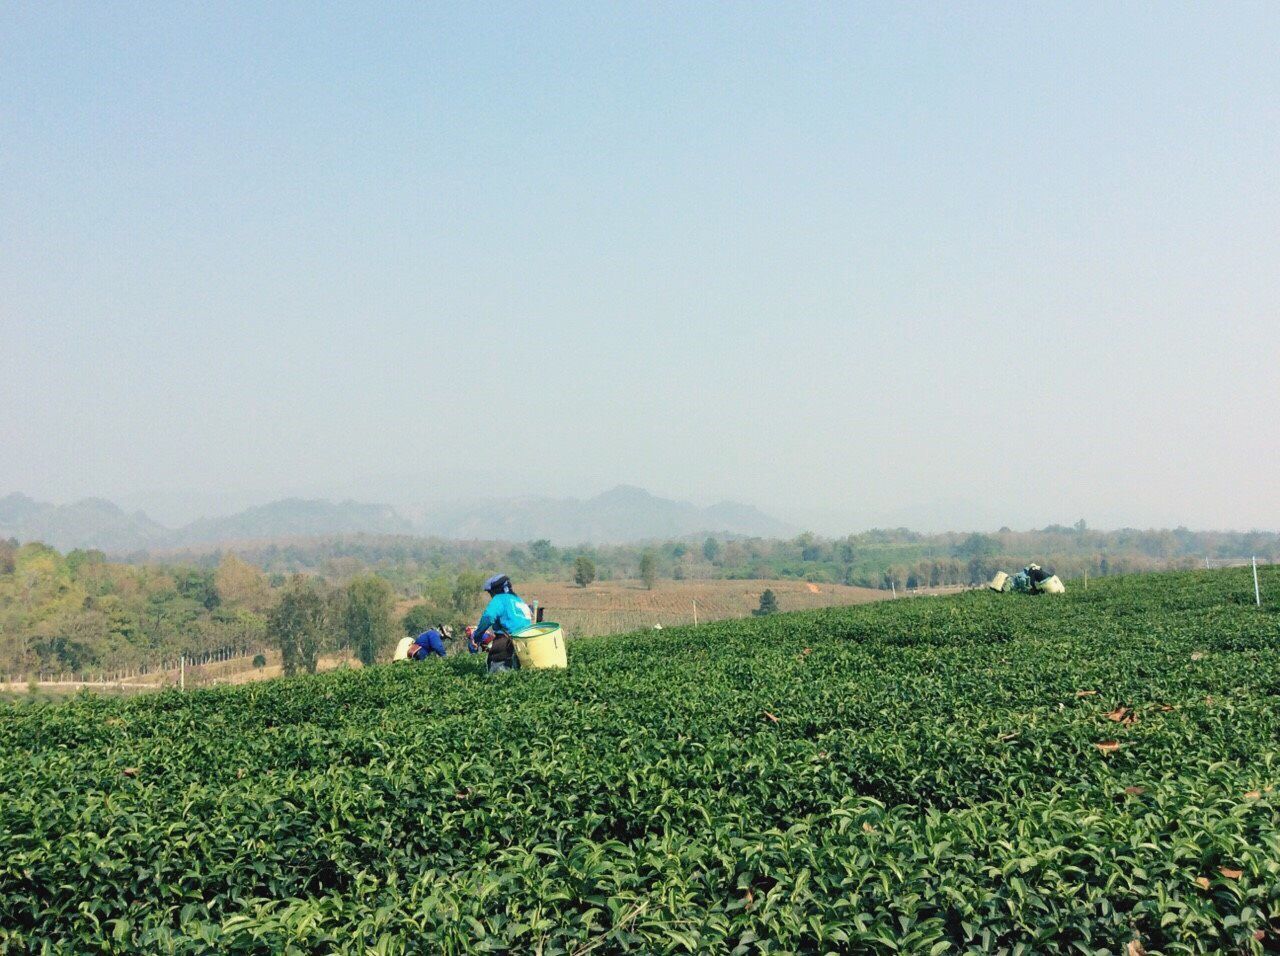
x=89 y=523
x=623 y=514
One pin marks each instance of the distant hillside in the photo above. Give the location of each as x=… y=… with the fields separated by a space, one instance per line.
x=91 y=523
x=620 y=515
x=291 y=518
x=95 y=523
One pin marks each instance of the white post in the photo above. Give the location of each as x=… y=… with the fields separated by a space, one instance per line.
x=1257 y=595
x=182 y=672
x=695 y=613
x=894 y=588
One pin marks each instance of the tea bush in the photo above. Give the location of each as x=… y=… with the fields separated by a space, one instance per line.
x=991 y=773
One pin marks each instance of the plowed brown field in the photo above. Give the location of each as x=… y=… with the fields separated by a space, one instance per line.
x=612 y=606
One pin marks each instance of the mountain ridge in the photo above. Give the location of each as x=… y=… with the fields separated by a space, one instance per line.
x=87 y=523
x=623 y=514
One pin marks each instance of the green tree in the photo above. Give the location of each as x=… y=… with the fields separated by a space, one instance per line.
x=466 y=592
x=768 y=604
x=8 y=555
x=978 y=545
x=240 y=584
x=648 y=569
x=810 y=550
x=584 y=571
x=297 y=624
x=419 y=618
x=197 y=585
x=367 y=621
x=438 y=590
x=449 y=600
x=438 y=595
x=895 y=576
x=315 y=634
x=711 y=550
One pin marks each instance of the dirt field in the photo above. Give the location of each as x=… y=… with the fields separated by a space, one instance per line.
x=613 y=606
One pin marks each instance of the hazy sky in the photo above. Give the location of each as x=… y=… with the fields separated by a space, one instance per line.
x=947 y=265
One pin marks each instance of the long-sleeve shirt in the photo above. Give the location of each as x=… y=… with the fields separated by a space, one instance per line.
x=426 y=644
x=505 y=613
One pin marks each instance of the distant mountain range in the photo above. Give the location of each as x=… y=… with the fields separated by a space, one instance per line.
x=293 y=518
x=622 y=515
x=90 y=523
x=617 y=516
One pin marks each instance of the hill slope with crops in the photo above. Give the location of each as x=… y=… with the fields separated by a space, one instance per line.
x=1089 y=773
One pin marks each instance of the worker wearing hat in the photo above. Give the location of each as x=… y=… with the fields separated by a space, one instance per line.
x=505 y=615
x=429 y=642
x=1036 y=575
x=472 y=646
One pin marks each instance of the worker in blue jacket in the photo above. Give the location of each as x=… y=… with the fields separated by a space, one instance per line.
x=427 y=643
x=505 y=615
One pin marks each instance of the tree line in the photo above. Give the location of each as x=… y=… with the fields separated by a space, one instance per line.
x=80 y=612
x=878 y=558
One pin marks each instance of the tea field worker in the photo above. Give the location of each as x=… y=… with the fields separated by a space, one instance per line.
x=502 y=652
x=472 y=646
x=1036 y=575
x=505 y=615
x=427 y=643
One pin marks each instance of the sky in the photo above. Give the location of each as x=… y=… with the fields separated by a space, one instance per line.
x=944 y=265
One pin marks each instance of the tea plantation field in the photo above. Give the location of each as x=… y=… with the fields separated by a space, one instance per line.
x=1097 y=772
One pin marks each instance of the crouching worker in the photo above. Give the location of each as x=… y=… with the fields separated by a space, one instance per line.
x=505 y=615
x=427 y=643
x=1037 y=576
x=472 y=646
x=1032 y=579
